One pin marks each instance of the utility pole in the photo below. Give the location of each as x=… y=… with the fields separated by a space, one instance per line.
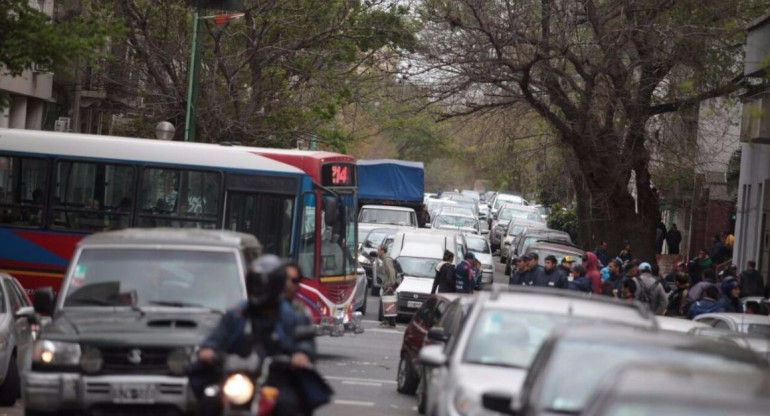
x=193 y=83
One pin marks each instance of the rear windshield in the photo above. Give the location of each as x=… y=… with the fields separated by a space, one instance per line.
x=478 y=245
x=418 y=266
x=386 y=216
x=148 y=277
x=456 y=221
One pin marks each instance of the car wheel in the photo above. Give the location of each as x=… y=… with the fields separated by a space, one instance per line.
x=375 y=291
x=11 y=388
x=422 y=395
x=407 y=382
x=362 y=309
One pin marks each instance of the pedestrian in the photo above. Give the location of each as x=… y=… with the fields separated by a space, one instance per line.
x=387 y=274
x=628 y=290
x=566 y=265
x=423 y=217
x=551 y=276
x=591 y=264
x=477 y=274
x=534 y=270
x=677 y=299
x=660 y=236
x=752 y=282
x=625 y=254
x=717 y=250
x=650 y=290
x=601 y=253
x=464 y=277
x=579 y=282
x=697 y=265
x=608 y=290
x=632 y=269
x=520 y=267
x=708 y=279
x=673 y=239
x=753 y=308
x=728 y=240
x=731 y=296
x=445 y=274
x=616 y=275
x=708 y=304
x=670 y=280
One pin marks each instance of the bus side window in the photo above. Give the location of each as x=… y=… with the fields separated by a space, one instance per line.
x=92 y=196
x=179 y=198
x=22 y=191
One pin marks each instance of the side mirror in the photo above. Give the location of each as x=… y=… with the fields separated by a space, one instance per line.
x=27 y=312
x=433 y=356
x=437 y=334
x=498 y=402
x=43 y=301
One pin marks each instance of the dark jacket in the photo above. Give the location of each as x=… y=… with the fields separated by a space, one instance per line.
x=532 y=275
x=705 y=305
x=464 y=278
x=445 y=278
x=617 y=281
x=731 y=304
x=752 y=283
x=717 y=252
x=517 y=278
x=673 y=239
x=581 y=284
x=553 y=278
x=602 y=255
x=677 y=301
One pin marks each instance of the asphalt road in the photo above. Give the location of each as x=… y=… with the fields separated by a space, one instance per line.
x=361 y=369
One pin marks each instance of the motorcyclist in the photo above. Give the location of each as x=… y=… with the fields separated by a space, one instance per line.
x=264 y=323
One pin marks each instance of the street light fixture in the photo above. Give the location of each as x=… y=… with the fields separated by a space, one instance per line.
x=195 y=68
x=164 y=131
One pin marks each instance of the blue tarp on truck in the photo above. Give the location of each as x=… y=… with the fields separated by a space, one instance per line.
x=395 y=181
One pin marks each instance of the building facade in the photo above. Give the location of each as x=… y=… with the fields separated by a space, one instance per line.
x=30 y=93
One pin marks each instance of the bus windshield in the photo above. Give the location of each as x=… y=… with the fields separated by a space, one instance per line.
x=338 y=237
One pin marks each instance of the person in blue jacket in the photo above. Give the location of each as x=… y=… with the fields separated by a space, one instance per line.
x=464 y=275
x=731 y=296
x=707 y=304
x=579 y=281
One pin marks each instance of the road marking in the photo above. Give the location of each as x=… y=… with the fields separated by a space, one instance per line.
x=364 y=380
x=354 y=403
x=384 y=331
x=362 y=383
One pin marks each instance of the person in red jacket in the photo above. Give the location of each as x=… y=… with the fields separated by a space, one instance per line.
x=591 y=263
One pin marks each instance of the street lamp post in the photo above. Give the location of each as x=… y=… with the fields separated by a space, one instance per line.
x=193 y=85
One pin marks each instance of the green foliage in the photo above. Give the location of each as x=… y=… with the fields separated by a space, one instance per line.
x=564 y=219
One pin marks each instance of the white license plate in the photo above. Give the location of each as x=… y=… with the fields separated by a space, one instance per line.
x=413 y=304
x=133 y=393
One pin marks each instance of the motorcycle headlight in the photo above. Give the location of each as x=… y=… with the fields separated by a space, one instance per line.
x=178 y=361
x=49 y=352
x=91 y=360
x=363 y=259
x=238 y=389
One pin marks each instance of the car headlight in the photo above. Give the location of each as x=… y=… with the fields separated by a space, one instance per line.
x=363 y=259
x=56 y=353
x=238 y=389
x=91 y=360
x=464 y=404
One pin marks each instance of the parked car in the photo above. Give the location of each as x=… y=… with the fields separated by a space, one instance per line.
x=369 y=243
x=17 y=322
x=534 y=235
x=545 y=249
x=456 y=221
x=514 y=231
x=467 y=202
x=379 y=216
x=132 y=308
x=479 y=246
x=580 y=354
x=501 y=337
x=656 y=389
x=503 y=198
x=424 y=319
x=758 y=344
x=758 y=325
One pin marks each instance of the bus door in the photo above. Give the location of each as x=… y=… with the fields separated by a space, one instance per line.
x=266 y=216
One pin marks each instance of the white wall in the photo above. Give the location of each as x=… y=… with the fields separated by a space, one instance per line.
x=755 y=170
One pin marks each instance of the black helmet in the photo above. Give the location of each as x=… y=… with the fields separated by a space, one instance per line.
x=266 y=280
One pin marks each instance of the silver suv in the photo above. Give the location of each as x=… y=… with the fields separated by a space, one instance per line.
x=17 y=320
x=501 y=337
x=133 y=306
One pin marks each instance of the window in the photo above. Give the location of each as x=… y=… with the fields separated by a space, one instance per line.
x=307 y=236
x=92 y=196
x=179 y=198
x=268 y=217
x=22 y=191
x=12 y=297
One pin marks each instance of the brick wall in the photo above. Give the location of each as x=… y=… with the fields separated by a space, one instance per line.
x=709 y=218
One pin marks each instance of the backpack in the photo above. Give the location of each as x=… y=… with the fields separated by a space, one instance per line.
x=646 y=294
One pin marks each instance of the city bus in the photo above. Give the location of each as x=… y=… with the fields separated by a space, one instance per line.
x=55 y=188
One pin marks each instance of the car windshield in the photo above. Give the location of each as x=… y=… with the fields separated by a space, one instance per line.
x=529 y=240
x=456 y=221
x=509 y=338
x=478 y=245
x=502 y=200
x=542 y=254
x=375 y=237
x=653 y=408
x=516 y=230
x=418 y=266
x=386 y=216
x=587 y=362
x=512 y=213
x=144 y=277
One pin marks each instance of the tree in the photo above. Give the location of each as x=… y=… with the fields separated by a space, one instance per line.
x=28 y=37
x=598 y=72
x=279 y=74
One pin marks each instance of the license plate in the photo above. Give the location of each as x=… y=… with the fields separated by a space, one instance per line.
x=413 y=304
x=133 y=393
